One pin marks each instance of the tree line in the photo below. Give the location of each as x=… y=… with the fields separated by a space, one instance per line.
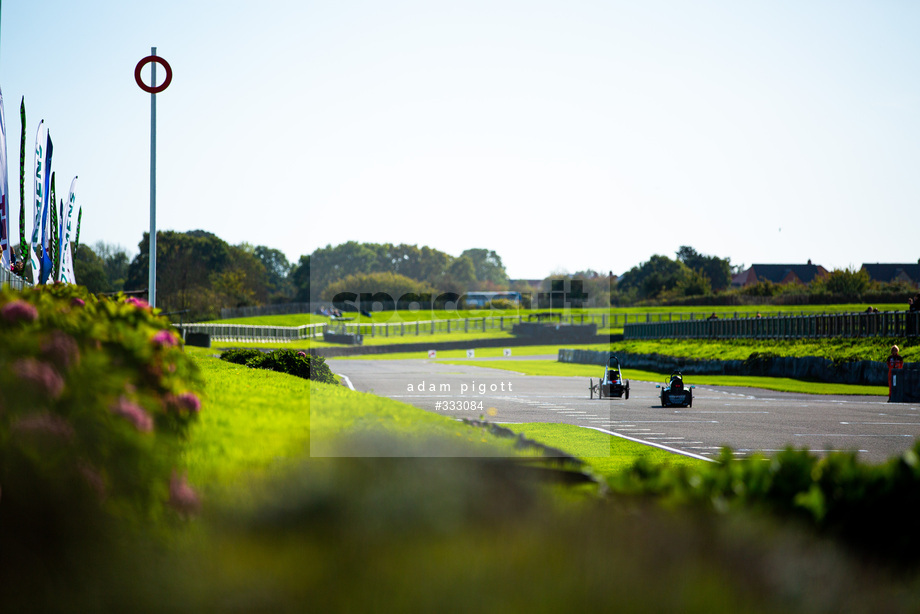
x=199 y=273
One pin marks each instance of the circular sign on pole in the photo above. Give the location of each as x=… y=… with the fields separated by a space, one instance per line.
x=148 y=88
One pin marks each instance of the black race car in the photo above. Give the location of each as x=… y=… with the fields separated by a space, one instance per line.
x=675 y=393
x=612 y=384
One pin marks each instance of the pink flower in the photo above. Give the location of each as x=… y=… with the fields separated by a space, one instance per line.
x=92 y=478
x=14 y=311
x=43 y=425
x=134 y=414
x=182 y=497
x=39 y=376
x=61 y=349
x=302 y=353
x=189 y=401
x=77 y=302
x=139 y=303
x=164 y=338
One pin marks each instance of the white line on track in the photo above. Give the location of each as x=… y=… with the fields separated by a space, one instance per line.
x=845 y=435
x=809 y=449
x=674 y=421
x=346 y=380
x=652 y=443
x=887 y=423
x=721 y=412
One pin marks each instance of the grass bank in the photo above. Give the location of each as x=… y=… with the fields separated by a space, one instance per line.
x=254 y=421
x=780 y=384
x=838 y=350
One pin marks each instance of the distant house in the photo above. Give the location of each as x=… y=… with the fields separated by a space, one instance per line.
x=886 y=273
x=779 y=274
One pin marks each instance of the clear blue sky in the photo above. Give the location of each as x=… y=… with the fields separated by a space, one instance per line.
x=564 y=135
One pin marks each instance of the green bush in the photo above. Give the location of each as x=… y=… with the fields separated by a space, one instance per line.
x=292 y=362
x=96 y=395
x=239 y=356
x=870 y=507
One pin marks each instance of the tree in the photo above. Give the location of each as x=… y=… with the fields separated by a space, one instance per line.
x=89 y=270
x=696 y=283
x=718 y=270
x=199 y=272
x=368 y=288
x=115 y=261
x=845 y=282
x=487 y=266
x=462 y=271
x=330 y=264
x=651 y=279
x=300 y=279
x=251 y=275
x=582 y=289
x=277 y=272
x=432 y=265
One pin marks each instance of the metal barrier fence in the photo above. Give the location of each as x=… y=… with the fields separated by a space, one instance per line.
x=241 y=332
x=635 y=326
x=432 y=327
x=883 y=324
x=10 y=279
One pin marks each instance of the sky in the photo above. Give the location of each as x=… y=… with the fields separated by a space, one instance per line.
x=563 y=135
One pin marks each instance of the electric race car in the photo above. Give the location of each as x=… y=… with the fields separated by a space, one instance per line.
x=612 y=384
x=675 y=393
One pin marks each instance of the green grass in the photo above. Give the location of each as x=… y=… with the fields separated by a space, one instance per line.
x=254 y=421
x=368 y=340
x=840 y=349
x=605 y=454
x=516 y=351
x=380 y=317
x=781 y=384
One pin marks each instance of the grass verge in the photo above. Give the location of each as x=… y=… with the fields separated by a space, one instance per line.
x=780 y=384
x=254 y=421
x=605 y=454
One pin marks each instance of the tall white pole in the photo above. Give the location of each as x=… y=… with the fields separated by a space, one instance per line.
x=152 y=280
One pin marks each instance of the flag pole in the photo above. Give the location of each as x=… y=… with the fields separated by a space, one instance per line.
x=152 y=279
x=153 y=89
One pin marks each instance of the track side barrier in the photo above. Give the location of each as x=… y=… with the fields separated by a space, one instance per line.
x=884 y=324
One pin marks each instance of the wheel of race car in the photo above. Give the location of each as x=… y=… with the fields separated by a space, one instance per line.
x=627 y=392
x=591 y=387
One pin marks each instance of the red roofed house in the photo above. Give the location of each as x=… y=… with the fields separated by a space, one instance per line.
x=779 y=274
x=886 y=273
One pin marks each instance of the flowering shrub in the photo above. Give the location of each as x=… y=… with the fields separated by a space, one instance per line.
x=96 y=396
x=292 y=362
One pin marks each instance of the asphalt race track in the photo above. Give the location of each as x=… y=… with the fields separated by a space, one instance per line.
x=746 y=419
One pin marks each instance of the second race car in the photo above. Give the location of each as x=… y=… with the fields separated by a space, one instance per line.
x=675 y=393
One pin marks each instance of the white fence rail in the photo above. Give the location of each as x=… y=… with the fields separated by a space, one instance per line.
x=11 y=280
x=242 y=332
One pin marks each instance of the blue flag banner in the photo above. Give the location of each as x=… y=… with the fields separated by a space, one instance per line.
x=5 y=249
x=46 y=265
x=38 y=203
